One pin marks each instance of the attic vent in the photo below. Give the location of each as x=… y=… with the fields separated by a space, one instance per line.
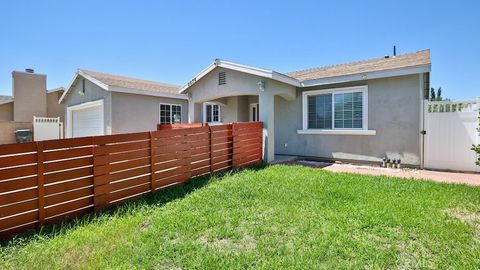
x=222 y=79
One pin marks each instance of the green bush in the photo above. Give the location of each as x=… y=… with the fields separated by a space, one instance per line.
x=476 y=148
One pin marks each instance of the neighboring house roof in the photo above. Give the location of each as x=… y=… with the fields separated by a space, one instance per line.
x=5 y=99
x=55 y=90
x=125 y=84
x=420 y=58
x=410 y=63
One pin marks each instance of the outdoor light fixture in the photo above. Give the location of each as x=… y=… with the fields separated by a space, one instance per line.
x=261 y=85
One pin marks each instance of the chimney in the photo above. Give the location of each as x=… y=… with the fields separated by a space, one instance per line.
x=30 y=95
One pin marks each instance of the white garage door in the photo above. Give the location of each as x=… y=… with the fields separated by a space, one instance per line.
x=87 y=122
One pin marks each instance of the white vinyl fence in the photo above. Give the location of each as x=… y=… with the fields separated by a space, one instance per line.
x=451 y=129
x=47 y=128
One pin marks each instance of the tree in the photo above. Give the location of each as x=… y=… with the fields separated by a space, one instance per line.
x=439 y=94
x=476 y=148
x=432 y=94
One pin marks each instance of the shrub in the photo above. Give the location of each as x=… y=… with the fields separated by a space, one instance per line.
x=476 y=148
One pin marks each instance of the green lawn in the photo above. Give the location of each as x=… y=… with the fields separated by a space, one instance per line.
x=274 y=217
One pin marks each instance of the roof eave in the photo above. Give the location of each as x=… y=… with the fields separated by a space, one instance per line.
x=146 y=92
x=368 y=75
x=56 y=90
x=5 y=101
x=265 y=73
x=86 y=76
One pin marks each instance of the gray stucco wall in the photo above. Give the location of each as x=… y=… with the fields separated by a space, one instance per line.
x=136 y=113
x=238 y=84
x=393 y=111
x=92 y=93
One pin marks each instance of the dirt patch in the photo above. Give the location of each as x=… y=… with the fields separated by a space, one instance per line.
x=246 y=243
x=470 y=218
x=463 y=215
x=146 y=225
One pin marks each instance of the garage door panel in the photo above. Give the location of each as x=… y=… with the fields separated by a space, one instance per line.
x=87 y=121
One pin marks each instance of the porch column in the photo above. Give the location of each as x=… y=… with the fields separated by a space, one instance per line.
x=191 y=111
x=266 y=115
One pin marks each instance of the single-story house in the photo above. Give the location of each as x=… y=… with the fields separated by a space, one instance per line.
x=30 y=98
x=102 y=104
x=357 y=111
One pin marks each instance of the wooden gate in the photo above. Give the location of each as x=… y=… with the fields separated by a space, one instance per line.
x=451 y=129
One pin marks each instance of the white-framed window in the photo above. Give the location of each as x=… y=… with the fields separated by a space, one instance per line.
x=211 y=113
x=170 y=113
x=336 y=111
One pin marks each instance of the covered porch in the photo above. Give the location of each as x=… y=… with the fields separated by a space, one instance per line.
x=226 y=110
x=226 y=92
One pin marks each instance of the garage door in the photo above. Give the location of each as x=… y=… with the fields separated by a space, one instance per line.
x=87 y=122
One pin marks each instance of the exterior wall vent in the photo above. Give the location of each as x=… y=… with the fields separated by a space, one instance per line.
x=222 y=79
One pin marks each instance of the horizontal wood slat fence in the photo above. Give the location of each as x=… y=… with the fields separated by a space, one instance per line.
x=46 y=182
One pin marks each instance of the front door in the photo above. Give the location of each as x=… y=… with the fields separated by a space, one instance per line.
x=253 y=112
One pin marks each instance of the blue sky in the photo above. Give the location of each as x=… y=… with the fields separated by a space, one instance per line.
x=171 y=41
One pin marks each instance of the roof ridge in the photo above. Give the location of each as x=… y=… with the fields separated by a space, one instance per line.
x=353 y=62
x=127 y=77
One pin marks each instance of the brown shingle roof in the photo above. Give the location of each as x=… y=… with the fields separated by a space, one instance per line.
x=133 y=83
x=419 y=58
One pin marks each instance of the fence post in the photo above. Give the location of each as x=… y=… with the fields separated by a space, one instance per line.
x=234 y=150
x=40 y=184
x=152 y=179
x=101 y=178
x=188 y=158
x=210 y=146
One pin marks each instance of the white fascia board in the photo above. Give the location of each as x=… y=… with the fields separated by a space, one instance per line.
x=146 y=92
x=285 y=79
x=86 y=76
x=261 y=72
x=198 y=77
x=368 y=76
x=246 y=69
x=93 y=80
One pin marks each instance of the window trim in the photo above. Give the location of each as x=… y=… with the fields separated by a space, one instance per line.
x=340 y=131
x=171 y=115
x=205 y=104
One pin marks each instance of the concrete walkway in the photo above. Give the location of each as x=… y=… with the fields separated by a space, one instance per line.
x=444 y=177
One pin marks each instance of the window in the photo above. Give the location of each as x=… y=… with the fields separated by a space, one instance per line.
x=222 y=79
x=211 y=113
x=336 y=109
x=170 y=114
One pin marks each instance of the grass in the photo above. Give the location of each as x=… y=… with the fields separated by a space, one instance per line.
x=273 y=217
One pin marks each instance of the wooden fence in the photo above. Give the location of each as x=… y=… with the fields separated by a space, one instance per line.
x=46 y=182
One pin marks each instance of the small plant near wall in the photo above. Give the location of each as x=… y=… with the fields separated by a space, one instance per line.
x=476 y=148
